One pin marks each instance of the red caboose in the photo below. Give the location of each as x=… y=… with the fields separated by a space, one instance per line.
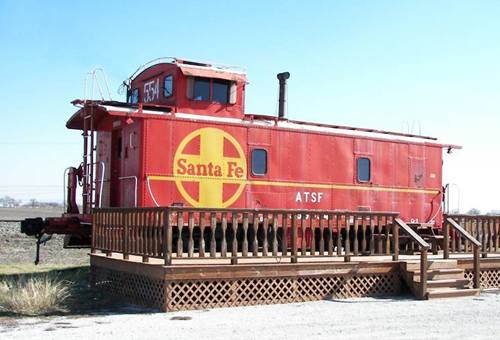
x=183 y=138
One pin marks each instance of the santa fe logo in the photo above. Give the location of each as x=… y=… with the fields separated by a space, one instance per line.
x=210 y=168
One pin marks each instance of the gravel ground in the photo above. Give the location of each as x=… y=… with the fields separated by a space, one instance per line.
x=367 y=318
x=17 y=248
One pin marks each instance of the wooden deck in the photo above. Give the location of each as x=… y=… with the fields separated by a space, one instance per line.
x=185 y=258
x=200 y=284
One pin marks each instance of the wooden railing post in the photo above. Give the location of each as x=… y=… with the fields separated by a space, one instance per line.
x=234 y=243
x=125 y=234
x=191 y=230
x=477 y=269
x=303 y=232
x=294 y=238
x=446 y=240
x=395 y=235
x=244 y=247
x=223 y=246
x=423 y=273
x=201 y=241
x=284 y=236
x=167 y=237
x=109 y=234
x=347 y=246
x=213 y=226
x=180 y=227
x=275 y=234
x=95 y=226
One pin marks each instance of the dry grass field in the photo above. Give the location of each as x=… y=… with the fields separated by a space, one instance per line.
x=59 y=285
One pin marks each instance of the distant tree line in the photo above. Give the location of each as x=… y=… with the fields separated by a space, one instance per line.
x=475 y=211
x=9 y=202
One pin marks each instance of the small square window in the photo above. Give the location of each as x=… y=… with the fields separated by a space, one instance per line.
x=201 y=89
x=364 y=169
x=220 y=91
x=168 y=86
x=259 y=162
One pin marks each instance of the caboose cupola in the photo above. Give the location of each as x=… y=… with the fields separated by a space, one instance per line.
x=189 y=87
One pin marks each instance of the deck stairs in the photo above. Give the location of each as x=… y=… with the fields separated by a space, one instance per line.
x=444 y=279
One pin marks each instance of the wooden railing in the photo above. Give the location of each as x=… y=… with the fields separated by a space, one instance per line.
x=455 y=234
x=485 y=229
x=424 y=249
x=129 y=231
x=175 y=233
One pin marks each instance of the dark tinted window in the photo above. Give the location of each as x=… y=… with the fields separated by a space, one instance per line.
x=168 y=86
x=133 y=97
x=220 y=92
x=119 y=148
x=201 y=90
x=364 y=171
x=259 y=161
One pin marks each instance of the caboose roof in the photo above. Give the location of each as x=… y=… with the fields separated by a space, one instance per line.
x=212 y=72
x=105 y=108
x=196 y=69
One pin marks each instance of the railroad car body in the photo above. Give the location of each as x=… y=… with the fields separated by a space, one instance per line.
x=193 y=145
x=183 y=138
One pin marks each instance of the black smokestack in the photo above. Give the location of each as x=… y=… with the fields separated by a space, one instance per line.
x=282 y=77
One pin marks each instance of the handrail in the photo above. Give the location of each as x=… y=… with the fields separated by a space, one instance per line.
x=475 y=243
x=462 y=231
x=424 y=248
x=412 y=233
x=103 y=171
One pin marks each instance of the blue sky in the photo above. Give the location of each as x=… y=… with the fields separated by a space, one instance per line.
x=380 y=64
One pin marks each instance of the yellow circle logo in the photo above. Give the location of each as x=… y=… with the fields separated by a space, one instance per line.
x=210 y=168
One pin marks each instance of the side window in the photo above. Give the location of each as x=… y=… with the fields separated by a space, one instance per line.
x=201 y=89
x=221 y=91
x=168 y=86
x=207 y=89
x=259 y=162
x=363 y=169
x=133 y=97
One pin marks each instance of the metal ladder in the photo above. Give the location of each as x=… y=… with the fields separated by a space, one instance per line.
x=89 y=138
